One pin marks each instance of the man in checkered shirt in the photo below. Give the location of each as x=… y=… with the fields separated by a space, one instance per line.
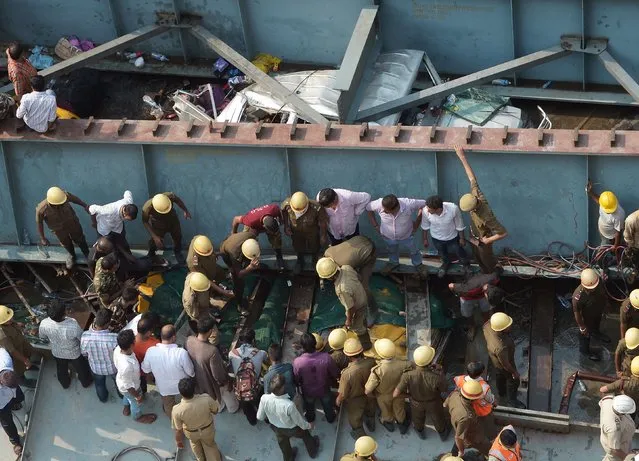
x=98 y=344
x=64 y=333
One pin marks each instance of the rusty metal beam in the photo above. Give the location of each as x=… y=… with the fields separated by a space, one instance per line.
x=413 y=138
x=541 y=342
x=266 y=81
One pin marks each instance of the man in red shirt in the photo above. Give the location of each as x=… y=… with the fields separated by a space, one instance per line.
x=266 y=218
x=478 y=291
x=19 y=69
x=143 y=341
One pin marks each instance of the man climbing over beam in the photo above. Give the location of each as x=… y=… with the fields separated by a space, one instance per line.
x=109 y=219
x=485 y=228
x=266 y=218
x=159 y=218
x=57 y=212
x=611 y=216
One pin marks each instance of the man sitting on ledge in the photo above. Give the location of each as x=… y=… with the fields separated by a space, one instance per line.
x=37 y=108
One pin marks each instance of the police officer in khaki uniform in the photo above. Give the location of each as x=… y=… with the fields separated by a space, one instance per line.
x=352 y=295
x=159 y=218
x=617 y=426
x=501 y=350
x=193 y=418
x=351 y=389
x=198 y=300
x=469 y=432
x=484 y=227
x=357 y=252
x=425 y=385
x=13 y=341
x=383 y=381
x=305 y=221
x=629 y=312
x=589 y=302
x=336 y=340
x=627 y=385
x=241 y=254
x=57 y=212
x=365 y=449
x=627 y=349
x=201 y=257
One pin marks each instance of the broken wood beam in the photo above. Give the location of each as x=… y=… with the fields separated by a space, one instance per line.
x=541 y=345
x=24 y=301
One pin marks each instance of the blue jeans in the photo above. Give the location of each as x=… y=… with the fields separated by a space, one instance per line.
x=129 y=401
x=409 y=243
x=328 y=405
x=446 y=247
x=101 y=388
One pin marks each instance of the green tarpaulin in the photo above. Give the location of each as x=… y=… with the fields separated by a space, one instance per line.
x=268 y=328
x=230 y=315
x=167 y=298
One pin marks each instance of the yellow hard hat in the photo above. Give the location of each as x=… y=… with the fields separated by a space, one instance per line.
x=336 y=338
x=608 y=202
x=203 y=245
x=634 y=367
x=365 y=446
x=500 y=321
x=161 y=203
x=589 y=279
x=251 y=249
x=423 y=356
x=634 y=298
x=632 y=338
x=56 y=196
x=6 y=314
x=467 y=202
x=326 y=268
x=199 y=282
x=319 y=342
x=299 y=201
x=352 y=347
x=385 y=348
x=449 y=457
x=472 y=390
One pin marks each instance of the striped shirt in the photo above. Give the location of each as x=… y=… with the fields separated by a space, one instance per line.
x=64 y=337
x=38 y=109
x=98 y=346
x=20 y=72
x=109 y=216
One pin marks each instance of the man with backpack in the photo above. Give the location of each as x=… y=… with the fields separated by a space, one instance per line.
x=246 y=361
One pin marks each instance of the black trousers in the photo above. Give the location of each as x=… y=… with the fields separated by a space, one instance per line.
x=118 y=239
x=284 y=441
x=506 y=384
x=79 y=365
x=250 y=411
x=335 y=241
x=6 y=418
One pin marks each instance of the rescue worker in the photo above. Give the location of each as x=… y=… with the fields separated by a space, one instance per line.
x=105 y=281
x=484 y=227
x=424 y=384
x=469 y=432
x=589 y=302
x=365 y=449
x=626 y=385
x=194 y=418
x=506 y=447
x=159 y=218
x=382 y=382
x=484 y=405
x=360 y=407
x=474 y=293
x=501 y=349
x=631 y=238
x=306 y=222
x=617 y=426
x=629 y=312
x=197 y=298
x=352 y=295
x=611 y=216
x=626 y=351
x=201 y=257
x=124 y=308
x=237 y=250
x=57 y=212
x=265 y=219
x=19 y=348
x=336 y=340
x=320 y=344
x=357 y=252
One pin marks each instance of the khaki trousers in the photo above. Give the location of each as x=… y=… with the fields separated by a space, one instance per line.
x=393 y=409
x=203 y=444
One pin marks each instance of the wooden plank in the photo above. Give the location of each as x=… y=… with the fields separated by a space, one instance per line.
x=298 y=314
x=541 y=339
x=417 y=313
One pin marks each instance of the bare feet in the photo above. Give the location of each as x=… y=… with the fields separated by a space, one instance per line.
x=147 y=418
x=126 y=411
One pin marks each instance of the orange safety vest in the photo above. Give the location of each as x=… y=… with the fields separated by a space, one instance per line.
x=481 y=406
x=502 y=453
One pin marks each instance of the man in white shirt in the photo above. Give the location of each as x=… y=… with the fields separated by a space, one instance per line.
x=109 y=219
x=343 y=208
x=127 y=378
x=169 y=364
x=10 y=396
x=446 y=226
x=286 y=421
x=397 y=227
x=38 y=108
x=611 y=216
